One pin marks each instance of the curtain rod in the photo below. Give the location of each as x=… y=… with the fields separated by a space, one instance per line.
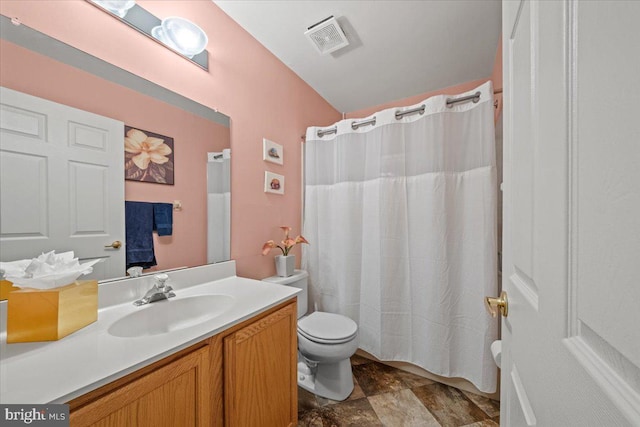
x=400 y=113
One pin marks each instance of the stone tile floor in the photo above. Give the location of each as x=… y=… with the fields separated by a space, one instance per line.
x=385 y=396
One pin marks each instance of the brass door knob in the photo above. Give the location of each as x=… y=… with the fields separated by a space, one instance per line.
x=115 y=245
x=495 y=305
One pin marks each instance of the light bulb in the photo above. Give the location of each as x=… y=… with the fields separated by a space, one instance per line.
x=181 y=35
x=117 y=7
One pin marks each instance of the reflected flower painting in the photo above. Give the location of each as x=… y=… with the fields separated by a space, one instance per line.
x=148 y=156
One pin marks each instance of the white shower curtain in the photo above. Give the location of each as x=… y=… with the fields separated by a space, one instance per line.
x=401 y=221
x=218 y=206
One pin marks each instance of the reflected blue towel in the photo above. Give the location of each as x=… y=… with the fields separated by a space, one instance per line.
x=139 y=234
x=163 y=218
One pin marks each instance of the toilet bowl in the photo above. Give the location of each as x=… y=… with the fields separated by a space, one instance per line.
x=326 y=341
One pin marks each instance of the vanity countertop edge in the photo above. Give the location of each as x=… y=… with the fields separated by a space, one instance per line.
x=59 y=371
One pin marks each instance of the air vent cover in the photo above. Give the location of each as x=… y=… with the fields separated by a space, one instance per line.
x=327 y=36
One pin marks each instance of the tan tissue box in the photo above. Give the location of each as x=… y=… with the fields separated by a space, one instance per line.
x=6 y=287
x=51 y=314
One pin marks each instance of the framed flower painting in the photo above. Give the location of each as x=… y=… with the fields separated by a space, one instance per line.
x=148 y=156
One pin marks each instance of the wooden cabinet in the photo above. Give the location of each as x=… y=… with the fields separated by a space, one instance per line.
x=260 y=372
x=244 y=376
x=173 y=395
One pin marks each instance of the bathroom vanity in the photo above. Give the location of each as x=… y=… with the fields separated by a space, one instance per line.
x=225 y=354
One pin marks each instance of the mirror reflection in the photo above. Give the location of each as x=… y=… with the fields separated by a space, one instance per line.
x=57 y=100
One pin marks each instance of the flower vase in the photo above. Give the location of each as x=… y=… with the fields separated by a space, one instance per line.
x=285 y=265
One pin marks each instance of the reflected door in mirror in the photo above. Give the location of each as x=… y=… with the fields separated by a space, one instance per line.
x=61 y=182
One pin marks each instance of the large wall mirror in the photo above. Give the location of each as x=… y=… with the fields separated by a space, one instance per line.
x=39 y=66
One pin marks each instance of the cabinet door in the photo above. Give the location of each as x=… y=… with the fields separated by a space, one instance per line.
x=260 y=372
x=176 y=394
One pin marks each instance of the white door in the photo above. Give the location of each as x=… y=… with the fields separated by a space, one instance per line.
x=61 y=182
x=571 y=340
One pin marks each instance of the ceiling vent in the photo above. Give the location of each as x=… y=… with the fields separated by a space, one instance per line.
x=327 y=36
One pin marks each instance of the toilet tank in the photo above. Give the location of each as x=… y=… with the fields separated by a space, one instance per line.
x=299 y=279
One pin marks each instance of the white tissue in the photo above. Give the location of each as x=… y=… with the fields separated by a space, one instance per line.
x=48 y=271
x=134 y=271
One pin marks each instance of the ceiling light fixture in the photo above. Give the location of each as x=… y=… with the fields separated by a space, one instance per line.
x=178 y=34
x=117 y=7
x=181 y=35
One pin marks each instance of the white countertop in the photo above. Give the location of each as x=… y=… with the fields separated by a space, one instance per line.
x=58 y=371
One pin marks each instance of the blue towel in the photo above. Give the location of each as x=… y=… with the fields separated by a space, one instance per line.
x=139 y=234
x=163 y=218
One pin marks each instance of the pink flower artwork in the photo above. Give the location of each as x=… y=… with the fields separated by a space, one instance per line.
x=148 y=156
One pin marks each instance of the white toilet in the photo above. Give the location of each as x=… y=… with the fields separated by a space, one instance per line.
x=326 y=341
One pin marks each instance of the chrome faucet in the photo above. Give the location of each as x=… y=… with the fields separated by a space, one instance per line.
x=158 y=292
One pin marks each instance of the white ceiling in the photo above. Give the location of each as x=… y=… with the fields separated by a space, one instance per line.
x=398 y=48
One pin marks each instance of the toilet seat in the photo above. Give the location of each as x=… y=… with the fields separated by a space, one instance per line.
x=327 y=328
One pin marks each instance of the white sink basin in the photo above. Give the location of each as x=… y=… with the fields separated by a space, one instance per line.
x=171 y=315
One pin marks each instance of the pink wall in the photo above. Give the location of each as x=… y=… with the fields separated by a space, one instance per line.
x=262 y=96
x=38 y=75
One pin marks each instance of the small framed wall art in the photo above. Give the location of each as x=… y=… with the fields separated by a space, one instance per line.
x=148 y=156
x=272 y=152
x=273 y=183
